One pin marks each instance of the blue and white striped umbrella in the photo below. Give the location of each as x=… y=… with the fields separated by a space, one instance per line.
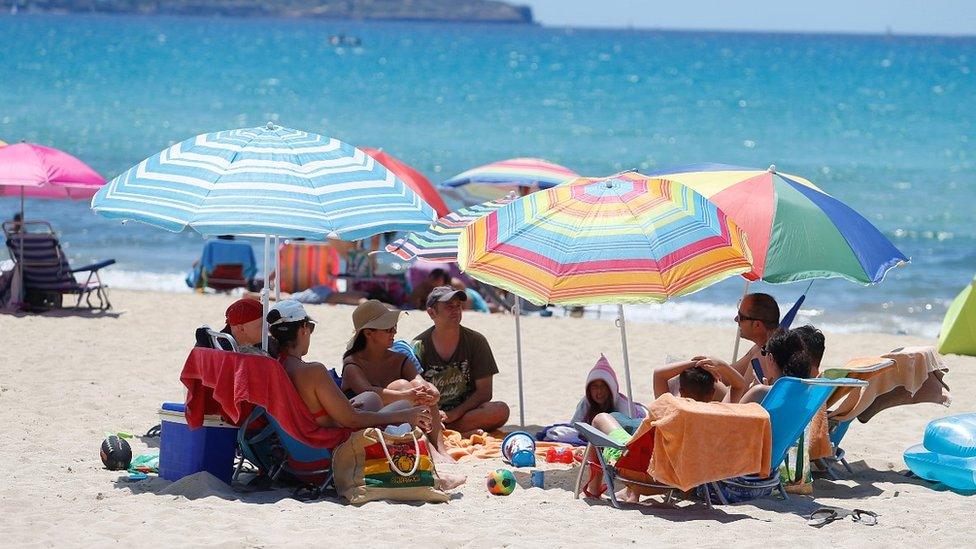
x=265 y=181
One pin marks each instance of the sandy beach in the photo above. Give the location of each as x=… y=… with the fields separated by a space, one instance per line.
x=67 y=379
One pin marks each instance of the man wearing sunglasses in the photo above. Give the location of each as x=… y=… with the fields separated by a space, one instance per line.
x=757 y=319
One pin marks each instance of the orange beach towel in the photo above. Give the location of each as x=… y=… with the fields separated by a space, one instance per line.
x=699 y=442
x=488 y=446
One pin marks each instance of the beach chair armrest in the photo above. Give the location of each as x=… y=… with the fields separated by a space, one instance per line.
x=841 y=382
x=94 y=266
x=595 y=437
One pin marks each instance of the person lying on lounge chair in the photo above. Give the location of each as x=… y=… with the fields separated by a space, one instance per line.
x=668 y=379
x=758 y=319
x=369 y=365
x=695 y=383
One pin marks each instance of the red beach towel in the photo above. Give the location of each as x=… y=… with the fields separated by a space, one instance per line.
x=231 y=384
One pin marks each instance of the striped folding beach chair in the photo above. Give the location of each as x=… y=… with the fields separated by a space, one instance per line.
x=34 y=246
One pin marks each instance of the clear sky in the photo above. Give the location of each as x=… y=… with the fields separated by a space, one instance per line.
x=872 y=16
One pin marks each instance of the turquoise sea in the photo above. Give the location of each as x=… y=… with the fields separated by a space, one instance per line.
x=885 y=123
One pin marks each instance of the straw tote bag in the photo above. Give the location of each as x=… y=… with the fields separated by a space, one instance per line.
x=375 y=465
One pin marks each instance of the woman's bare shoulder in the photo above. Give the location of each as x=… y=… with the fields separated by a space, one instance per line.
x=301 y=368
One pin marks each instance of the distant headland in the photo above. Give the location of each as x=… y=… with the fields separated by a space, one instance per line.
x=480 y=11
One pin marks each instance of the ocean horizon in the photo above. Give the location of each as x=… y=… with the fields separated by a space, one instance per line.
x=882 y=122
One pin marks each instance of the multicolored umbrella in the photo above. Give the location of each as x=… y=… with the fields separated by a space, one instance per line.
x=622 y=239
x=439 y=243
x=495 y=180
x=796 y=231
x=265 y=181
x=413 y=178
x=958 y=334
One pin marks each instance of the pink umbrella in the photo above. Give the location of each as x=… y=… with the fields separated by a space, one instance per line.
x=37 y=171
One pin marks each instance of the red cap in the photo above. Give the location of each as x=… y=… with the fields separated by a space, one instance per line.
x=244 y=310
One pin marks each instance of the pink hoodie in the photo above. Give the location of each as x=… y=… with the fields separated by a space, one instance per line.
x=603 y=372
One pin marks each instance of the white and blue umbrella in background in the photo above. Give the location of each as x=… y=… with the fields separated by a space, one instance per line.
x=265 y=181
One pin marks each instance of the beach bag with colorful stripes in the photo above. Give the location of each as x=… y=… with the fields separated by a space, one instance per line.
x=374 y=464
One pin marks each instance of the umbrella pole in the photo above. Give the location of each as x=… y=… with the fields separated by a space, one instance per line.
x=277 y=270
x=21 y=231
x=518 y=357
x=264 y=295
x=738 y=331
x=623 y=342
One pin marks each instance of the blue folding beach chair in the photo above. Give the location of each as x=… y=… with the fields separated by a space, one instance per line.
x=223 y=266
x=791 y=403
x=274 y=452
x=262 y=442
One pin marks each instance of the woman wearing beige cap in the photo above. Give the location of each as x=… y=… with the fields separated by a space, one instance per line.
x=370 y=366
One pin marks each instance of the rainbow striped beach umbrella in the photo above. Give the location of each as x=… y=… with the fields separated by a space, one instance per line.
x=622 y=239
x=495 y=180
x=439 y=243
x=627 y=238
x=796 y=231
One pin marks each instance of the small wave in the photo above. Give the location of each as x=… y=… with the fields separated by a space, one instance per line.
x=144 y=280
x=690 y=312
x=672 y=312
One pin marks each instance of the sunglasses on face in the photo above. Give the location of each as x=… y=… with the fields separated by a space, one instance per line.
x=311 y=326
x=740 y=316
x=391 y=330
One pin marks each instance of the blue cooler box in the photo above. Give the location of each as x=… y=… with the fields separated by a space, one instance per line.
x=183 y=451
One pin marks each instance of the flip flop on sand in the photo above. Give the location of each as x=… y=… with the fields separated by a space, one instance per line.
x=826 y=515
x=869 y=518
x=822 y=517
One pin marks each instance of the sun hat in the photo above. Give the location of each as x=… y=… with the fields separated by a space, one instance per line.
x=373 y=314
x=443 y=294
x=287 y=310
x=242 y=311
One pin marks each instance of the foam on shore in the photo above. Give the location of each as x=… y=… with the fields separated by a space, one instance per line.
x=685 y=311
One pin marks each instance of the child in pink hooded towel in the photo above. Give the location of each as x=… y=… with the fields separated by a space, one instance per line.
x=603 y=395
